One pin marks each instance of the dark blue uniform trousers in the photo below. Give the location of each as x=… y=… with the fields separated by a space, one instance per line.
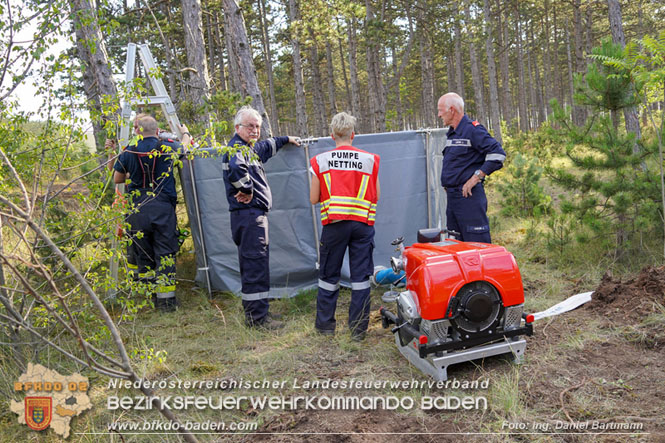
x=249 y=228
x=132 y=261
x=156 y=220
x=468 y=215
x=335 y=238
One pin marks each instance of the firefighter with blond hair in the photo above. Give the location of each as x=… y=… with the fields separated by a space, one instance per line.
x=345 y=181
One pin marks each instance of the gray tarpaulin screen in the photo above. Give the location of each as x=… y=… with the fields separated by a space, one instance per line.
x=411 y=199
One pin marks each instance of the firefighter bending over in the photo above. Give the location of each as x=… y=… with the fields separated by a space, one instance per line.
x=111 y=147
x=149 y=167
x=470 y=155
x=345 y=181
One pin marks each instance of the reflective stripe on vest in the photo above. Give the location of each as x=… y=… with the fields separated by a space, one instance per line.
x=353 y=174
x=326 y=179
x=348 y=206
x=363 y=187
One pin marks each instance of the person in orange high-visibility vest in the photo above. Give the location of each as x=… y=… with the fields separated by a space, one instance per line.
x=345 y=181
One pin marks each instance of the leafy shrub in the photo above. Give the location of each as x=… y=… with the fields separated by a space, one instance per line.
x=523 y=195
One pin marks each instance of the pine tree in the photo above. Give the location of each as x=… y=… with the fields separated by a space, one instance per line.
x=609 y=193
x=523 y=195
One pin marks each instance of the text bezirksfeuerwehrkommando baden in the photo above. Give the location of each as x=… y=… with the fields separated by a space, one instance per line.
x=321 y=401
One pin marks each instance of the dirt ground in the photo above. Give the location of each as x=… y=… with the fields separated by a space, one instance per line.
x=631 y=300
x=380 y=426
x=601 y=364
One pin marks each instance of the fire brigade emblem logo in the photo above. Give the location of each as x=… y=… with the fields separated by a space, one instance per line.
x=471 y=261
x=38 y=412
x=50 y=399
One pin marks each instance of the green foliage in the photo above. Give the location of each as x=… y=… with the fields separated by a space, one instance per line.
x=611 y=192
x=559 y=234
x=223 y=107
x=608 y=192
x=643 y=61
x=523 y=195
x=607 y=87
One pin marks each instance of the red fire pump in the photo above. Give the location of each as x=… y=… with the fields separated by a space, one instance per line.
x=463 y=301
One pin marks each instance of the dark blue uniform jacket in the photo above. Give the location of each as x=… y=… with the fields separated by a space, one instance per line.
x=150 y=167
x=244 y=172
x=469 y=147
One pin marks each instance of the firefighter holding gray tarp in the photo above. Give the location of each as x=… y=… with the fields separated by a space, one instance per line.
x=149 y=166
x=345 y=181
x=250 y=199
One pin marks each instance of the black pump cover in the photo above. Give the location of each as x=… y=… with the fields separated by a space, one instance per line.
x=431 y=235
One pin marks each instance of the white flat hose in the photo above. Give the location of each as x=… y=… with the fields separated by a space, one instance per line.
x=568 y=304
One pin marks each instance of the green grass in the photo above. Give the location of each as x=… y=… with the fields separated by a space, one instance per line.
x=207 y=340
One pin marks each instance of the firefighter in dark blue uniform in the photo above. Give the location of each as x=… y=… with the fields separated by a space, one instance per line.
x=149 y=166
x=249 y=198
x=470 y=155
x=110 y=145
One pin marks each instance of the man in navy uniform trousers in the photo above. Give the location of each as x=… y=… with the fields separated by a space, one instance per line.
x=345 y=181
x=249 y=198
x=149 y=166
x=470 y=155
x=110 y=145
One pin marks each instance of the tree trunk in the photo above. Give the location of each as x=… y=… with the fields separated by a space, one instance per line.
x=210 y=42
x=319 y=103
x=521 y=93
x=353 y=71
x=588 y=35
x=342 y=60
x=629 y=114
x=571 y=85
x=426 y=71
x=579 y=112
x=249 y=86
x=332 y=100
x=220 y=53
x=540 y=93
x=450 y=64
x=178 y=91
x=459 y=63
x=377 y=92
x=557 y=73
x=531 y=97
x=538 y=114
x=640 y=36
x=199 y=81
x=398 y=70
x=504 y=64
x=170 y=62
x=301 y=105
x=97 y=76
x=476 y=74
x=398 y=93
x=494 y=119
x=234 y=83
x=547 y=62
x=274 y=120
